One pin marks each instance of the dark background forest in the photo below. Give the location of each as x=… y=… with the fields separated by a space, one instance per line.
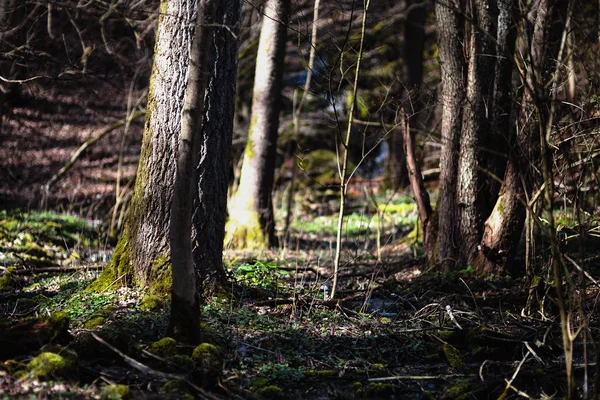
x=314 y=199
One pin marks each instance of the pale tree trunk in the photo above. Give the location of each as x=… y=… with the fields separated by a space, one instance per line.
x=504 y=226
x=184 y=324
x=471 y=193
x=142 y=256
x=450 y=29
x=251 y=221
x=210 y=207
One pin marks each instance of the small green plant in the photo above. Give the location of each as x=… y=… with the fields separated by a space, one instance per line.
x=259 y=274
x=281 y=373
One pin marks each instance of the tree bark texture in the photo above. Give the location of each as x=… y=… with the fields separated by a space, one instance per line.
x=505 y=224
x=251 y=221
x=184 y=324
x=210 y=206
x=474 y=143
x=450 y=29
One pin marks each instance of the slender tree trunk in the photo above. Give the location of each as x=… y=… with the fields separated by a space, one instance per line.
x=210 y=206
x=472 y=197
x=414 y=45
x=184 y=324
x=450 y=23
x=251 y=220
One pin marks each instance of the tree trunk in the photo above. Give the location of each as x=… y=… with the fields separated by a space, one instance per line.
x=472 y=199
x=504 y=226
x=142 y=256
x=450 y=23
x=414 y=45
x=251 y=221
x=210 y=207
x=184 y=324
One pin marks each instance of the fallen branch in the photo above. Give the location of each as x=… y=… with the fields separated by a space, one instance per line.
x=59 y=269
x=420 y=377
x=164 y=376
x=86 y=145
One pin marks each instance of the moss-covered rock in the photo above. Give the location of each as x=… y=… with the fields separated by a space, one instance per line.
x=182 y=362
x=259 y=383
x=271 y=392
x=320 y=374
x=151 y=302
x=209 y=363
x=165 y=347
x=29 y=334
x=176 y=389
x=115 y=392
x=94 y=322
x=54 y=363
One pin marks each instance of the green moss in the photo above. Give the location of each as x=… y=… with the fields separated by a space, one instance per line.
x=209 y=363
x=7 y=280
x=117 y=272
x=115 y=392
x=428 y=396
x=377 y=367
x=94 y=322
x=13 y=366
x=259 y=383
x=271 y=392
x=160 y=278
x=357 y=387
x=176 y=389
x=151 y=302
x=458 y=390
x=379 y=389
x=325 y=373
x=182 y=362
x=165 y=347
x=50 y=365
x=243 y=229
x=453 y=356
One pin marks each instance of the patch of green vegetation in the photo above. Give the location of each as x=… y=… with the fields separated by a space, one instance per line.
x=7 y=280
x=259 y=274
x=459 y=390
x=271 y=392
x=379 y=389
x=79 y=305
x=176 y=389
x=151 y=302
x=281 y=373
x=165 y=347
x=59 y=363
x=12 y=366
x=320 y=374
x=115 y=392
x=209 y=363
x=94 y=322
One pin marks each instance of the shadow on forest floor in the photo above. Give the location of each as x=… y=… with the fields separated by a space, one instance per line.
x=397 y=330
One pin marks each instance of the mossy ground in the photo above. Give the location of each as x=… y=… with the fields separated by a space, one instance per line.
x=274 y=335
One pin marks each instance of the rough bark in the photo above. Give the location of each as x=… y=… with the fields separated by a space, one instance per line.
x=449 y=22
x=504 y=226
x=184 y=324
x=472 y=199
x=142 y=256
x=210 y=206
x=251 y=220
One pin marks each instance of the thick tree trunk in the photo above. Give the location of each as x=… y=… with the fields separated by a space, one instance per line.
x=505 y=224
x=142 y=256
x=472 y=197
x=251 y=221
x=450 y=23
x=210 y=207
x=184 y=324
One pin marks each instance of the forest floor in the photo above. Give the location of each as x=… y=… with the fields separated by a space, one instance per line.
x=396 y=330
